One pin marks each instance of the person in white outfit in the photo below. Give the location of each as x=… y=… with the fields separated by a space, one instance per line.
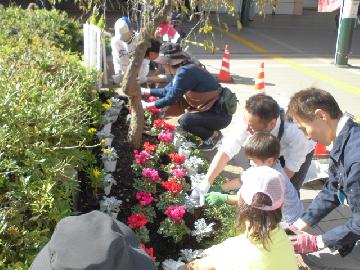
x=122 y=45
x=262 y=113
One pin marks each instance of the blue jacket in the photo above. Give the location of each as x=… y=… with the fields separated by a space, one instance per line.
x=343 y=182
x=187 y=78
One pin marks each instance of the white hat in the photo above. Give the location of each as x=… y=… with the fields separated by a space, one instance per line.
x=122 y=28
x=265 y=180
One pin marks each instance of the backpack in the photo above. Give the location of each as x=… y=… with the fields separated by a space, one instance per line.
x=228 y=101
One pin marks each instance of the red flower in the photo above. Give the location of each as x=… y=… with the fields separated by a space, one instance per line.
x=169 y=127
x=149 y=251
x=175 y=212
x=172 y=185
x=159 y=124
x=176 y=158
x=137 y=220
x=149 y=147
x=153 y=110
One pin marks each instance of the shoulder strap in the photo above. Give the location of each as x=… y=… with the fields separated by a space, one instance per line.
x=282 y=121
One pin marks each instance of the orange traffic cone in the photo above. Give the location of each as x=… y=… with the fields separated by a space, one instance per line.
x=224 y=75
x=320 y=151
x=259 y=81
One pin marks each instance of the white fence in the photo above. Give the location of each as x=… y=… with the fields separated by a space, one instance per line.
x=94 y=49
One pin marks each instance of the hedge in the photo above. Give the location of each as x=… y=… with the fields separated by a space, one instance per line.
x=47 y=105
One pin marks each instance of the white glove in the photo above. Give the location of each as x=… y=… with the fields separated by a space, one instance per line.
x=144 y=104
x=144 y=91
x=198 y=193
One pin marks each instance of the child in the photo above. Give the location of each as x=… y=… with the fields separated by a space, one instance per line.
x=262 y=244
x=263 y=149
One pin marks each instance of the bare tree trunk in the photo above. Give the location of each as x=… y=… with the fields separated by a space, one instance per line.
x=130 y=84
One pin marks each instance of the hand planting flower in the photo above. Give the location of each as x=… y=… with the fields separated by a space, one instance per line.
x=152 y=174
x=144 y=198
x=177 y=159
x=175 y=212
x=149 y=147
x=137 y=220
x=165 y=137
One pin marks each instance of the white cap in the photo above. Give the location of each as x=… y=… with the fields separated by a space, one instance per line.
x=265 y=180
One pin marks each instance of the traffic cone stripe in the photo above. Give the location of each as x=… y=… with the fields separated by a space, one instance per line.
x=226 y=60
x=224 y=75
x=259 y=80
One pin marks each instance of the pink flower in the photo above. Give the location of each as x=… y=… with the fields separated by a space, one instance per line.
x=175 y=212
x=179 y=172
x=152 y=174
x=141 y=157
x=165 y=137
x=144 y=198
x=151 y=99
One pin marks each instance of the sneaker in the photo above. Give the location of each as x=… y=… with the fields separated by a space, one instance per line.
x=211 y=143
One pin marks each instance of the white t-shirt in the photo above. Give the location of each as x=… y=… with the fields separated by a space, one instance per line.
x=294 y=146
x=121 y=51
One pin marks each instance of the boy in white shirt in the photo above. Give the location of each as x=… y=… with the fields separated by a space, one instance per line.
x=263 y=149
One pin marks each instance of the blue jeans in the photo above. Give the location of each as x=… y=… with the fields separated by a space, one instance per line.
x=203 y=124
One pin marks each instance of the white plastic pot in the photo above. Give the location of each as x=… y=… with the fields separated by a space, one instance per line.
x=109 y=165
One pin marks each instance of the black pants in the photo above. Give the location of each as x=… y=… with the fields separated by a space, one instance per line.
x=203 y=124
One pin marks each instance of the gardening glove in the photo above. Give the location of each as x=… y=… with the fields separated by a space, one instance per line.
x=144 y=91
x=305 y=243
x=216 y=198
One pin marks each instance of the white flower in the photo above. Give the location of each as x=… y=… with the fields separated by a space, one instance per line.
x=110 y=205
x=192 y=164
x=188 y=254
x=196 y=179
x=170 y=264
x=202 y=229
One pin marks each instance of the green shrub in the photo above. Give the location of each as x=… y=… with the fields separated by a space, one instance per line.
x=47 y=104
x=58 y=28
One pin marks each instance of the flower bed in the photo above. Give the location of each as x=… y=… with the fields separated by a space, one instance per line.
x=153 y=187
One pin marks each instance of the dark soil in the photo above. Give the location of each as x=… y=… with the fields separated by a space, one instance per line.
x=164 y=248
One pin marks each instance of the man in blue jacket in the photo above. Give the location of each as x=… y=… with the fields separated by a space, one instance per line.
x=317 y=113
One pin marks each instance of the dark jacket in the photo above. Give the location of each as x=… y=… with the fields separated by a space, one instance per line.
x=197 y=86
x=344 y=178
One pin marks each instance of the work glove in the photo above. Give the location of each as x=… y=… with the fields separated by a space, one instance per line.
x=305 y=243
x=216 y=198
x=144 y=91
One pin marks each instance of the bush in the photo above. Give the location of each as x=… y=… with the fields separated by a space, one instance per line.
x=56 y=27
x=47 y=104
